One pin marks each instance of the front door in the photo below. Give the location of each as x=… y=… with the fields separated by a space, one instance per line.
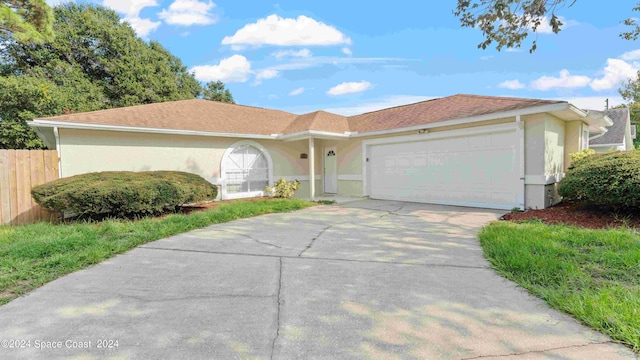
x=330 y=171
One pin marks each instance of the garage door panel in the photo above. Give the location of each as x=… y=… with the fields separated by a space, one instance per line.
x=474 y=171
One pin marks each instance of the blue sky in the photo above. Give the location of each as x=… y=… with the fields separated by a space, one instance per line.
x=349 y=58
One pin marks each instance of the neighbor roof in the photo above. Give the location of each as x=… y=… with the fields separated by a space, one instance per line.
x=211 y=116
x=615 y=133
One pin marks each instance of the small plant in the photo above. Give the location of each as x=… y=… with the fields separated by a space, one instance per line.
x=516 y=210
x=325 y=202
x=579 y=155
x=282 y=188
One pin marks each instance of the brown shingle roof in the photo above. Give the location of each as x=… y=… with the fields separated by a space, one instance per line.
x=442 y=109
x=211 y=116
x=320 y=121
x=195 y=115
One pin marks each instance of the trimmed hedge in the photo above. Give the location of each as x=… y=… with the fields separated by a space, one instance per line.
x=123 y=193
x=610 y=180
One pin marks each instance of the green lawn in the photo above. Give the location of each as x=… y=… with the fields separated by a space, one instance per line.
x=32 y=255
x=592 y=274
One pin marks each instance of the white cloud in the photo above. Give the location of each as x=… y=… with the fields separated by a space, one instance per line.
x=142 y=27
x=513 y=50
x=305 y=63
x=615 y=72
x=233 y=69
x=512 y=85
x=349 y=88
x=296 y=92
x=274 y=30
x=631 y=55
x=379 y=104
x=347 y=51
x=565 y=80
x=266 y=74
x=189 y=12
x=131 y=10
x=545 y=28
x=304 y=53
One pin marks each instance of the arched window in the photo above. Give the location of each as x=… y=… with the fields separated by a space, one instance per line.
x=246 y=170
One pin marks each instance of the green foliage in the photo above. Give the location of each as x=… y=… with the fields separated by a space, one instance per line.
x=214 y=90
x=283 y=188
x=94 y=62
x=27 y=21
x=579 y=155
x=35 y=254
x=610 y=180
x=24 y=97
x=630 y=92
x=507 y=23
x=123 y=193
x=591 y=274
x=633 y=23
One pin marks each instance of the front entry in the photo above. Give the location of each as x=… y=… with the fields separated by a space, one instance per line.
x=330 y=171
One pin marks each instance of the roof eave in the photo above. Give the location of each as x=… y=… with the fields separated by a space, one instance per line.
x=42 y=123
x=558 y=109
x=316 y=134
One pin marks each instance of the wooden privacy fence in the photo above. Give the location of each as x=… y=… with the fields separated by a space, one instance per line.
x=20 y=170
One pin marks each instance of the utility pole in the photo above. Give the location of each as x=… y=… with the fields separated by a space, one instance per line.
x=606 y=107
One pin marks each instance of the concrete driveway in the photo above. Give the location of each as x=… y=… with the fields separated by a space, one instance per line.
x=366 y=280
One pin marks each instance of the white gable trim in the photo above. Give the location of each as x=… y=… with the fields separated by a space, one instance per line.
x=83 y=126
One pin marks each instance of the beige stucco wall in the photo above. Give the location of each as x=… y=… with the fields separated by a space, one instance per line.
x=84 y=151
x=534 y=130
x=554 y=138
x=546 y=140
x=572 y=140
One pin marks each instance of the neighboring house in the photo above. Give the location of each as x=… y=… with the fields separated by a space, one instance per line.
x=618 y=137
x=466 y=150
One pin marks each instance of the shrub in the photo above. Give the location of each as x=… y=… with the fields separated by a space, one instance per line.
x=610 y=180
x=283 y=188
x=123 y=193
x=579 y=155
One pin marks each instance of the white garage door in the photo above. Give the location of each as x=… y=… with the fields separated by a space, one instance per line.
x=476 y=170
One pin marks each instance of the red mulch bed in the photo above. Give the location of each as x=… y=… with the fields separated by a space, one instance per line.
x=573 y=214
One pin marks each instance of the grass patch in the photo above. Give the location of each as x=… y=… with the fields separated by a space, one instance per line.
x=32 y=255
x=592 y=274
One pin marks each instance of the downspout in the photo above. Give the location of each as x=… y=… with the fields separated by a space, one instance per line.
x=57 y=136
x=520 y=151
x=312 y=169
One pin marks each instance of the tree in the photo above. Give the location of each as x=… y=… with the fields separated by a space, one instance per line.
x=214 y=90
x=26 y=20
x=630 y=92
x=509 y=22
x=94 y=62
